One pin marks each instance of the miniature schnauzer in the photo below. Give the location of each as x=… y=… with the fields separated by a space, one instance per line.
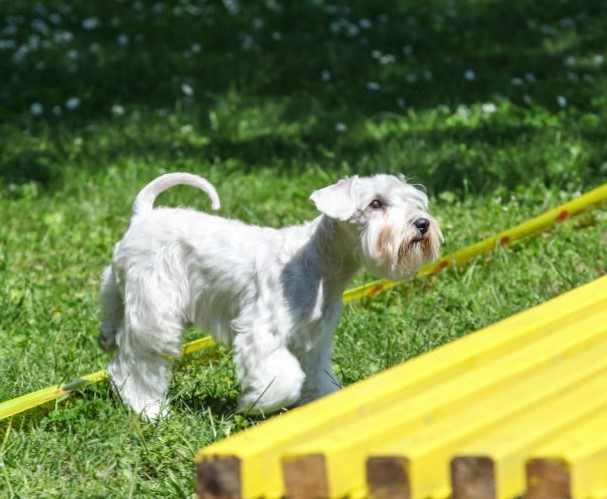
x=274 y=295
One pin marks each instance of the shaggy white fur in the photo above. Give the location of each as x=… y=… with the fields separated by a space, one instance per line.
x=275 y=295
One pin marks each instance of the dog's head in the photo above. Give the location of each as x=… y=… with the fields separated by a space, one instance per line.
x=390 y=218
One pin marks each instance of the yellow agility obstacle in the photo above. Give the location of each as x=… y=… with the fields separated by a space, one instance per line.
x=518 y=406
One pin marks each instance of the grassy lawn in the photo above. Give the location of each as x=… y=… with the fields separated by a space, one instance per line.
x=498 y=108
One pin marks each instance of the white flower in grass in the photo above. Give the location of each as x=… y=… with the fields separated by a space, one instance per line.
x=72 y=103
x=588 y=78
x=365 y=23
x=373 y=86
x=90 y=23
x=247 y=42
x=62 y=37
x=325 y=75
x=56 y=110
x=233 y=6
x=33 y=42
x=463 y=111
x=20 y=53
x=570 y=61
x=561 y=100
x=117 y=110
x=546 y=30
x=566 y=22
x=530 y=77
x=9 y=30
x=411 y=78
x=40 y=26
x=469 y=75
x=571 y=76
x=195 y=48
x=276 y=36
x=387 y=59
x=488 y=108
x=187 y=89
x=353 y=30
x=598 y=59
x=54 y=18
x=407 y=50
x=7 y=44
x=36 y=109
x=341 y=127
x=123 y=40
x=517 y=82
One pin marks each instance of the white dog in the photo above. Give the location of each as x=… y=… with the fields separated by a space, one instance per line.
x=275 y=295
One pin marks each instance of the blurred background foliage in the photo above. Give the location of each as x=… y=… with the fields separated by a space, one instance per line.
x=464 y=95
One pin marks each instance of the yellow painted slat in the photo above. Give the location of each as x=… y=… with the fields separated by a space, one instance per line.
x=424 y=427
x=503 y=450
x=250 y=461
x=572 y=463
x=349 y=443
x=427 y=452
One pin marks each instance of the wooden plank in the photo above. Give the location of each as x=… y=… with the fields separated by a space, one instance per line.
x=259 y=450
x=219 y=478
x=345 y=449
x=508 y=445
x=572 y=463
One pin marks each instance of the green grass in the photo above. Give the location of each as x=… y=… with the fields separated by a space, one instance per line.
x=497 y=107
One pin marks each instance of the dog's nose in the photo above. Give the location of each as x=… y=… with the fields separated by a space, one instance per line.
x=422 y=224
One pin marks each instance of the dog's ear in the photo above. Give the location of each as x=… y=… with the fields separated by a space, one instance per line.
x=336 y=201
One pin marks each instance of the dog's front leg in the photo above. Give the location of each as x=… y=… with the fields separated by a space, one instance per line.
x=270 y=375
x=321 y=380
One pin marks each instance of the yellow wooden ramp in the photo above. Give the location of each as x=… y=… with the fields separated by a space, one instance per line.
x=518 y=406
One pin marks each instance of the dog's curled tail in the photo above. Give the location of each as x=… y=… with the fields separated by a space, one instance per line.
x=144 y=202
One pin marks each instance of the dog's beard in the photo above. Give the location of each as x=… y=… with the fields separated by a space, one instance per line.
x=416 y=251
x=398 y=258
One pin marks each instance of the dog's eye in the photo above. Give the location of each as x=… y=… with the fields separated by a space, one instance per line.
x=376 y=204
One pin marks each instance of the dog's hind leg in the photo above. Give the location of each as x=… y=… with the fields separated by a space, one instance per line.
x=151 y=336
x=112 y=311
x=142 y=381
